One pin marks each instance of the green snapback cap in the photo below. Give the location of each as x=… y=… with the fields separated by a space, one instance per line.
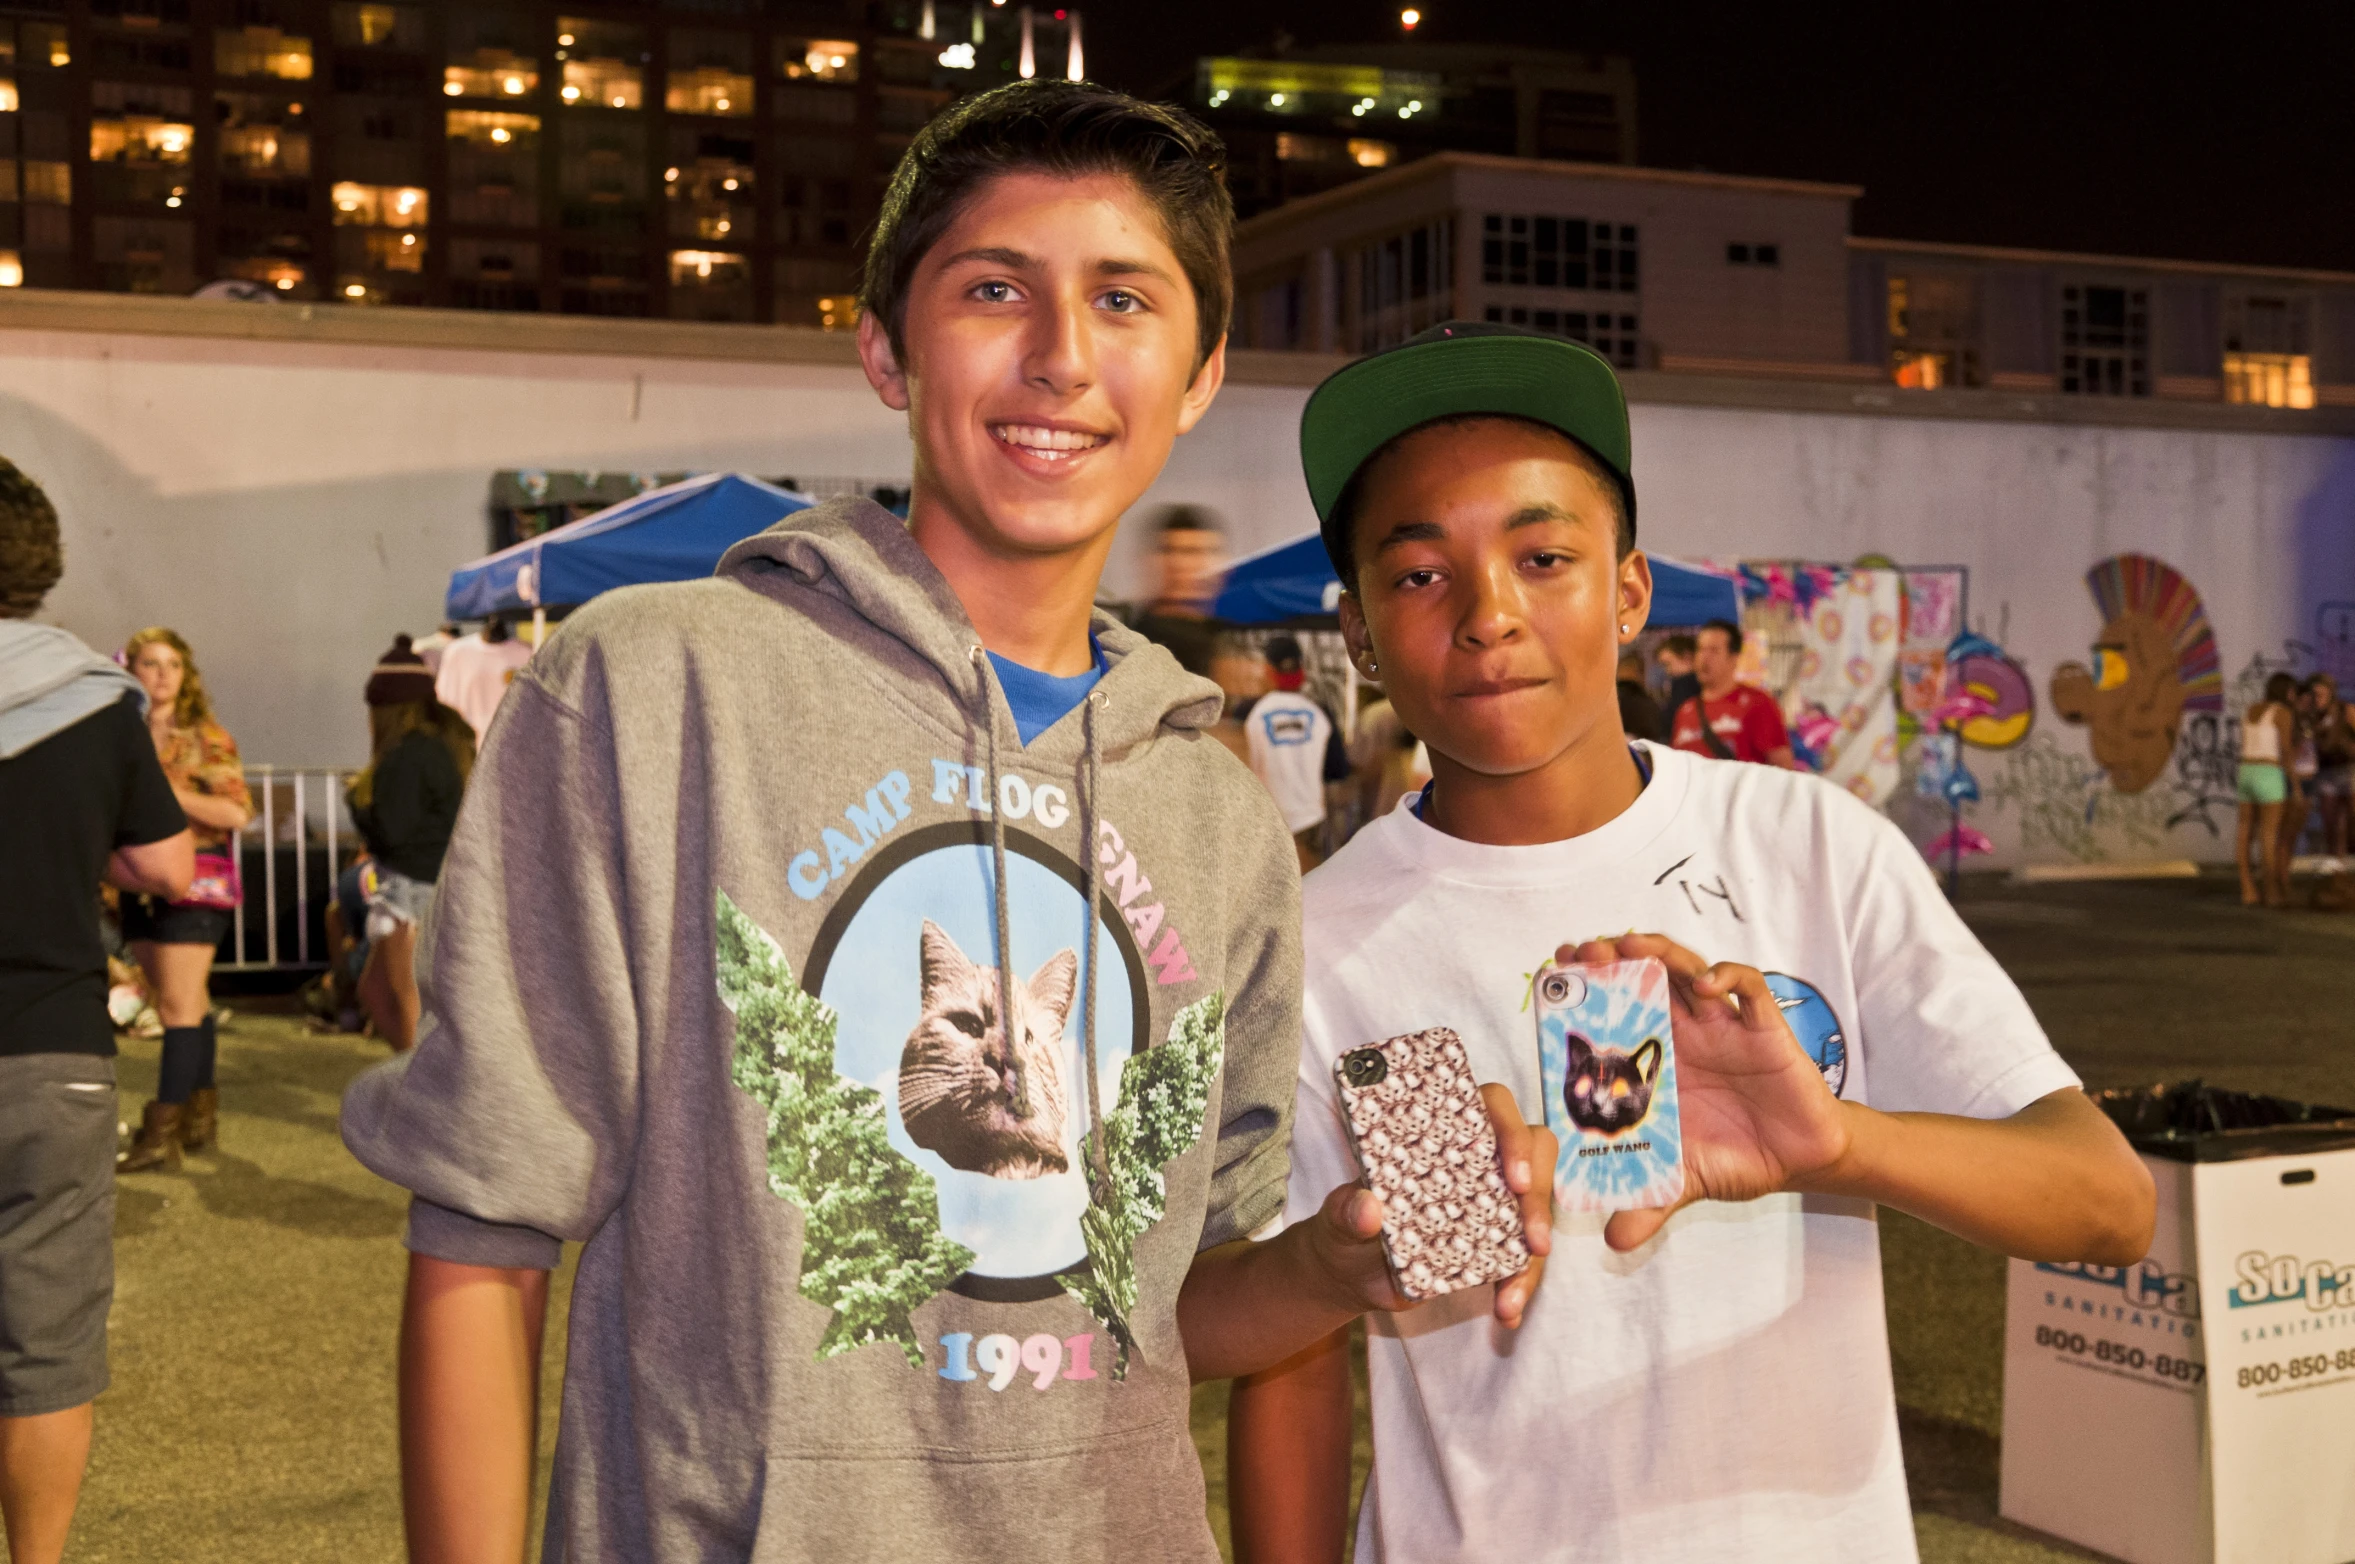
x=1456 y=369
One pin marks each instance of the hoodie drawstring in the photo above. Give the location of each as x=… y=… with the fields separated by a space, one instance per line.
x=1093 y=875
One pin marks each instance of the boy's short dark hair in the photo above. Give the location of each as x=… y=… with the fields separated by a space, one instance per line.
x=1680 y=644
x=1282 y=653
x=1341 y=526
x=32 y=556
x=1067 y=128
x=1733 y=635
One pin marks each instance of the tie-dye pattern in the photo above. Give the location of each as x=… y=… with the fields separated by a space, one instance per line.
x=1624 y=1005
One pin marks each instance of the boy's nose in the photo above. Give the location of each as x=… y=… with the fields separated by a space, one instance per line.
x=1061 y=359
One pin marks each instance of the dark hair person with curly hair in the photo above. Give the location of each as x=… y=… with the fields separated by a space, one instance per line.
x=82 y=799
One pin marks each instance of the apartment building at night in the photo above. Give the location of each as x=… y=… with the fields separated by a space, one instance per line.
x=1732 y=276
x=705 y=159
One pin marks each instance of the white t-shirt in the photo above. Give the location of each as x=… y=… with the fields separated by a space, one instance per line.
x=1723 y=1392
x=1288 y=734
x=474 y=676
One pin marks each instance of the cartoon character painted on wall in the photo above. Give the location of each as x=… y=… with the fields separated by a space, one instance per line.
x=2154 y=660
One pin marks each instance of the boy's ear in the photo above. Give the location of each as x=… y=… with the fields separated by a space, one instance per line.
x=1207 y=380
x=1635 y=595
x=1355 y=635
x=882 y=364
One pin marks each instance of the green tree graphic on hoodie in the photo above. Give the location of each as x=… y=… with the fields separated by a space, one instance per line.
x=872 y=1249
x=1164 y=1094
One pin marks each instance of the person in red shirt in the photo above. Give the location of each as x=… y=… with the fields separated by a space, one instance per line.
x=1743 y=722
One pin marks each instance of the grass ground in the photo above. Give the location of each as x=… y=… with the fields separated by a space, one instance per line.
x=251 y=1417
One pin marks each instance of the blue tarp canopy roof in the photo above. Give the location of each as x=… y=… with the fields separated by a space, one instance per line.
x=1295 y=580
x=675 y=533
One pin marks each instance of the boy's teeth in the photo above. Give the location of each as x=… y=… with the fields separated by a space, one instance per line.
x=1047 y=441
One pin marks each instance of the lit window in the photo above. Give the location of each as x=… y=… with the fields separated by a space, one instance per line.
x=1922 y=371
x=7 y=95
x=606 y=84
x=2269 y=379
x=492 y=131
x=692 y=267
x=379 y=26
x=1372 y=154
x=260 y=134
x=491 y=73
x=12 y=269
x=711 y=90
x=601 y=64
x=818 y=59
x=378 y=206
x=137 y=138
x=261 y=51
x=43 y=44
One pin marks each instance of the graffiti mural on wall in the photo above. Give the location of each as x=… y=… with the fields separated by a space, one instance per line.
x=2154 y=660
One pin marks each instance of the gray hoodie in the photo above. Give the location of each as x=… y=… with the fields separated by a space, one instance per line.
x=714 y=989
x=49 y=681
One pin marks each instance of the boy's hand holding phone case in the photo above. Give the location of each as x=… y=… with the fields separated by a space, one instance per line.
x=1448 y=1219
x=1607 y=1056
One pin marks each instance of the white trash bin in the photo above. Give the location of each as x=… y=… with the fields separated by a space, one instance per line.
x=2199 y=1407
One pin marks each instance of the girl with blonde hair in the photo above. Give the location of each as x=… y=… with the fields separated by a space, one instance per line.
x=174 y=941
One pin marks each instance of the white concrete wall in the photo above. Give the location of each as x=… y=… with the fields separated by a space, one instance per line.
x=289 y=506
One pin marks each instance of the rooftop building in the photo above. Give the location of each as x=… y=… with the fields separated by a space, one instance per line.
x=1725 y=275
x=1309 y=120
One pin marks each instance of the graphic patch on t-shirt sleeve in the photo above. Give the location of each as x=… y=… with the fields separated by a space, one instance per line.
x=1813 y=1022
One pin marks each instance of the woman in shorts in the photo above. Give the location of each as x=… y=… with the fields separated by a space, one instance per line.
x=174 y=942
x=2269 y=735
x=406 y=805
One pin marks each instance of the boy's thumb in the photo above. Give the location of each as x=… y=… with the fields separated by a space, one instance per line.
x=1633 y=1229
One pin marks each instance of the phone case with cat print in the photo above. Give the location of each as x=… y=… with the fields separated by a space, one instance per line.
x=1414 y=1113
x=1606 y=1053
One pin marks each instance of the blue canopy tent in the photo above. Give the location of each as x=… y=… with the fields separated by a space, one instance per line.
x=675 y=533
x=1295 y=581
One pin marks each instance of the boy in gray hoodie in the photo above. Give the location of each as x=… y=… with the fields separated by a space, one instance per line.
x=871 y=958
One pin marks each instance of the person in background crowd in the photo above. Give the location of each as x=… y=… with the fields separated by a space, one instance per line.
x=1675 y=658
x=1190 y=564
x=2305 y=764
x=1639 y=714
x=406 y=806
x=1729 y=720
x=2334 y=753
x=82 y=798
x=2269 y=736
x=1290 y=735
x=432 y=647
x=475 y=671
x=174 y=941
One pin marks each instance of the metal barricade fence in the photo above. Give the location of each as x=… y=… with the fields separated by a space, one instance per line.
x=298 y=832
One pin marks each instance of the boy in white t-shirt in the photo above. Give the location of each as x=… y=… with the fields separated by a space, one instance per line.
x=1288 y=735
x=1707 y=1386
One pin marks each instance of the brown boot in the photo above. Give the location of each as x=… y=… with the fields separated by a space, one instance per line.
x=201 y=1120
x=157 y=1145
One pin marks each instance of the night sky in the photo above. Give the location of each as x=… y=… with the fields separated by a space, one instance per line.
x=2209 y=132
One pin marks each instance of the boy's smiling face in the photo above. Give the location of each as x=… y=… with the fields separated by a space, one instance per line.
x=1490 y=594
x=1050 y=340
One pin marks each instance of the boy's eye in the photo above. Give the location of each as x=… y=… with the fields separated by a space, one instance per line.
x=1123 y=302
x=994 y=292
x=1417 y=578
